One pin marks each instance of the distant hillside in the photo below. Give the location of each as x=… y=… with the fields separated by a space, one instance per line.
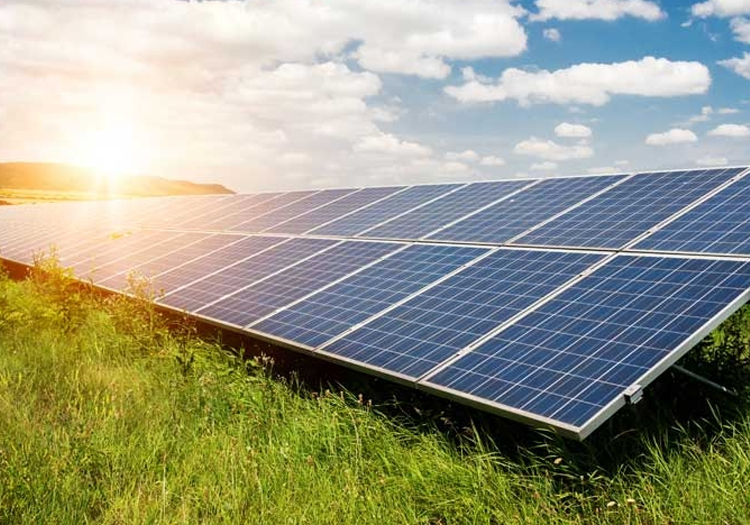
x=50 y=177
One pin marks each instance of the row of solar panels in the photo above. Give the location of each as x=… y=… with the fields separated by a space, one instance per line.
x=550 y=336
x=412 y=311
x=597 y=212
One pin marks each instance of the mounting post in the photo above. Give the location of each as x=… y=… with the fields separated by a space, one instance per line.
x=705 y=381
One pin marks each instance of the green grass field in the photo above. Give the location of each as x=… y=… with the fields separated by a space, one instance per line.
x=107 y=416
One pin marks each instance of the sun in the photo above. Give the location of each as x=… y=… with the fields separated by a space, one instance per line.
x=113 y=152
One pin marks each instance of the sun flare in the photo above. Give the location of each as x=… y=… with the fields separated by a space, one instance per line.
x=114 y=153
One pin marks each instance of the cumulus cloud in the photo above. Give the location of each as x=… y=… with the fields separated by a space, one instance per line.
x=673 y=136
x=599 y=170
x=492 y=160
x=550 y=150
x=741 y=29
x=544 y=166
x=257 y=94
x=740 y=65
x=564 y=129
x=466 y=155
x=728 y=111
x=721 y=8
x=552 y=34
x=597 y=9
x=711 y=161
x=390 y=144
x=730 y=130
x=588 y=83
x=703 y=116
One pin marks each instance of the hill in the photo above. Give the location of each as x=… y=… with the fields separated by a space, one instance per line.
x=51 y=181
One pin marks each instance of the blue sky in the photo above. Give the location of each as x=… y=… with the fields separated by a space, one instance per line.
x=310 y=93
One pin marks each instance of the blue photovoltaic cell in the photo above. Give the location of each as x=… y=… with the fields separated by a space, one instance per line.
x=279 y=215
x=575 y=354
x=128 y=261
x=240 y=214
x=177 y=211
x=331 y=312
x=154 y=266
x=231 y=279
x=183 y=215
x=719 y=225
x=517 y=214
x=425 y=331
x=628 y=210
x=203 y=220
x=428 y=218
x=294 y=283
x=199 y=268
x=372 y=215
x=334 y=210
x=84 y=262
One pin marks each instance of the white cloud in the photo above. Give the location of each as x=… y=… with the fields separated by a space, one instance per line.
x=492 y=160
x=704 y=115
x=550 y=150
x=673 y=136
x=730 y=130
x=741 y=29
x=741 y=66
x=544 y=166
x=467 y=155
x=728 y=111
x=390 y=144
x=597 y=9
x=589 y=83
x=416 y=37
x=721 y=8
x=601 y=169
x=622 y=163
x=256 y=94
x=552 y=34
x=711 y=161
x=564 y=129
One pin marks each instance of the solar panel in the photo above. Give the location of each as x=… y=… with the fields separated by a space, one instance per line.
x=260 y=299
x=243 y=273
x=236 y=203
x=515 y=215
x=233 y=212
x=185 y=274
x=450 y=207
x=418 y=335
x=156 y=248
x=552 y=301
x=334 y=210
x=279 y=215
x=570 y=361
x=382 y=211
x=719 y=225
x=328 y=313
x=628 y=210
x=184 y=251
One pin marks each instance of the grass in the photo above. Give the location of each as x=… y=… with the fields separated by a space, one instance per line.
x=108 y=415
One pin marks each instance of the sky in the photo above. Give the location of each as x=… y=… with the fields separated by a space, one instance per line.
x=283 y=94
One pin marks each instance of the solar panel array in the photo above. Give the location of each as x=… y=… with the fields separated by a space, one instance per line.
x=550 y=301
